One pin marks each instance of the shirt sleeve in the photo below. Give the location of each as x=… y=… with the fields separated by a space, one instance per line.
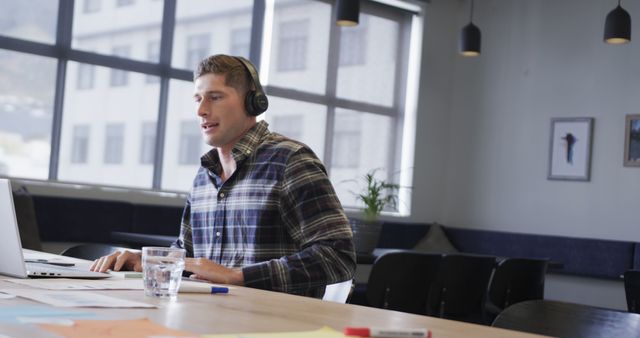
x=313 y=215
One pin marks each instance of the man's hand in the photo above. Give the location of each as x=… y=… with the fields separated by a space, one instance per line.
x=119 y=260
x=213 y=272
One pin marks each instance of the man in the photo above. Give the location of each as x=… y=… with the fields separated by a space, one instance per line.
x=262 y=211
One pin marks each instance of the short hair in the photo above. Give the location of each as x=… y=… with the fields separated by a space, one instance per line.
x=236 y=75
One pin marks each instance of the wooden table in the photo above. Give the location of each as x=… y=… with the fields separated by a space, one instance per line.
x=253 y=310
x=562 y=319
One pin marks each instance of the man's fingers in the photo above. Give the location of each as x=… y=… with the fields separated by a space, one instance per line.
x=96 y=263
x=120 y=260
x=108 y=261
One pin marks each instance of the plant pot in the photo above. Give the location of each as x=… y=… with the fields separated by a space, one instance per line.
x=365 y=235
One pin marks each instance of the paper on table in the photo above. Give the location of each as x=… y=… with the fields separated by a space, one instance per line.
x=75 y=299
x=18 y=313
x=104 y=284
x=325 y=332
x=80 y=284
x=115 y=328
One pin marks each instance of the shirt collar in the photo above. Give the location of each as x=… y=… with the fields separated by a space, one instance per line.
x=241 y=150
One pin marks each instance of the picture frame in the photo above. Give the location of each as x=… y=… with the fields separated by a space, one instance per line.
x=632 y=141
x=570 y=144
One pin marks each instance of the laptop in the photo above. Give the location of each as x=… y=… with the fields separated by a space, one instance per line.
x=12 y=261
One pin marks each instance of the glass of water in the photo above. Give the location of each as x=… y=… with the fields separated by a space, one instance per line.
x=162 y=271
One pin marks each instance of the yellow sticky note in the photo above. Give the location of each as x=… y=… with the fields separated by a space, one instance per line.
x=325 y=332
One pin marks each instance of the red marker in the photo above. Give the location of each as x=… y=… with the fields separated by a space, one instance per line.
x=387 y=333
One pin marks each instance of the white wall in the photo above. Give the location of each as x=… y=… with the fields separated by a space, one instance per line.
x=483 y=129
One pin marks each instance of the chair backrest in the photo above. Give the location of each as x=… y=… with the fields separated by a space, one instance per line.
x=516 y=280
x=400 y=280
x=338 y=292
x=632 y=290
x=460 y=290
x=90 y=251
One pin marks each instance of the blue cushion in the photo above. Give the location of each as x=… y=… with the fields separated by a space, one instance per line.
x=580 y=256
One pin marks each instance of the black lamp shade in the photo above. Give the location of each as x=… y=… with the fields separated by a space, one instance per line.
x=470 y=39
x=347 y=12
x=617 y=26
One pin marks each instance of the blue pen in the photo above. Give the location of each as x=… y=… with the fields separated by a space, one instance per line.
x=219 y=289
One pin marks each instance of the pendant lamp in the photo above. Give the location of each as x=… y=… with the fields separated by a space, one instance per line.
x=617 y=26
x=470 y=37
x=347 y=12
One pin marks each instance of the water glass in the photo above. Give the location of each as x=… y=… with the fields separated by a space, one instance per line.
x=162 y=271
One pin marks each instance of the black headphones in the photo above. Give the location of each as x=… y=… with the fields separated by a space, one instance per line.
x=255 y=101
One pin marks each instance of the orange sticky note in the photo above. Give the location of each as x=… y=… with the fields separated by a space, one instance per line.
x=136 y=328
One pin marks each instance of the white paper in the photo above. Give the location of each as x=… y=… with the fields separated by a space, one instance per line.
x=6 y=296
x=75 y=299
x=81 y=284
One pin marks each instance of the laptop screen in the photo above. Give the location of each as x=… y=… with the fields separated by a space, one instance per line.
x=12 y=261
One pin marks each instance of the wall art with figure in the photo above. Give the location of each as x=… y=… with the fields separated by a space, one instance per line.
x=570 y=149
x=632 y=141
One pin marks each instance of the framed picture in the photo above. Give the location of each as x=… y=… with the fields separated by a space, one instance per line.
x=632 y=141
x=570 y=149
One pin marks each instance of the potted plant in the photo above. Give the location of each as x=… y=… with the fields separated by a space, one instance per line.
x=376 y=195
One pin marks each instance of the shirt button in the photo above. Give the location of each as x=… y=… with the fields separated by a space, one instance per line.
x=248 y=152
x=221 y=195
x=218 y=234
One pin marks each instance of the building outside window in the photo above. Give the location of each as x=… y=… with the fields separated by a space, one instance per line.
x=153 y=55
x=353 y=46
x=86 y=74
x=148 y=143
x=122 y=3
x=292 y=51
x=240 y=42
x=114 y=143
x=119 y=77
x=346 y=141
x=197 y=49
x=91 y=6
x=191 y=141
x=288 y=125
x=80 y=144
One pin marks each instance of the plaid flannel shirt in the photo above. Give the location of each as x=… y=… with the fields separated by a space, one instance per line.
x=277 y=217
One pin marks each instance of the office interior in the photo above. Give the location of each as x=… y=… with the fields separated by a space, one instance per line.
x=469 y=135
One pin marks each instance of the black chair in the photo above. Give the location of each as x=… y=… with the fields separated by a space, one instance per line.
x=560 y=319
x=460 y=289
x=515 y=280
x=90 y=251
x=632 y=290
x=400 y=280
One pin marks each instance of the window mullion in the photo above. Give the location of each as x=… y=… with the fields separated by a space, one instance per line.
x=166 y=47
x=63 y=44
x=330 y=92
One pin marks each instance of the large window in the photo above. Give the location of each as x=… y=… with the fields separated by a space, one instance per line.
x=123 y=115
x=27 y=85
x=292 y=47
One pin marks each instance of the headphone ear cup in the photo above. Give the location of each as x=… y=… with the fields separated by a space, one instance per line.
x=255 y=103
x=248 y=103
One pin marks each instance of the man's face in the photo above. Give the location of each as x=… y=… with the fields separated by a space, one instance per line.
x=223 y=119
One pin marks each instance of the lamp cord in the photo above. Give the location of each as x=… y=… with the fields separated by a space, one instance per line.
x=471 y=12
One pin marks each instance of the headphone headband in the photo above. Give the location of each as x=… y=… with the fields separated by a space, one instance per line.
x=256 y=101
